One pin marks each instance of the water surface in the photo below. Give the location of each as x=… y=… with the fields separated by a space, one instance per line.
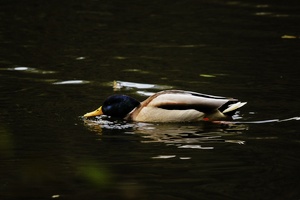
x=59 y=60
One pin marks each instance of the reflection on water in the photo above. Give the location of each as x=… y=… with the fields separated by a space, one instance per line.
x=44 y=73
x=267 y=121
x=192 y=134
x=117 y=85
x=29 y=70
x=201 y=135
x=123 y=85
x=71 y=82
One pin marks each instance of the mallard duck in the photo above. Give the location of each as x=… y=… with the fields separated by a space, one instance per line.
x=169 y=106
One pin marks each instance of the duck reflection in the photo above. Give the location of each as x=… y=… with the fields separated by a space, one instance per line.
x=182 y=135
x=192 y=134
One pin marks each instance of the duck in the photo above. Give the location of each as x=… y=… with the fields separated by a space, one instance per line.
x=169 y=106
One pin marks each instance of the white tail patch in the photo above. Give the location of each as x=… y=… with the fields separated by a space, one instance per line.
x=234 y=106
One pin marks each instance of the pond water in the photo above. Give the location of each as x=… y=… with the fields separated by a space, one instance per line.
x=61 y=59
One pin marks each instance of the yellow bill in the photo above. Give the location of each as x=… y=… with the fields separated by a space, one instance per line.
x=94 y=113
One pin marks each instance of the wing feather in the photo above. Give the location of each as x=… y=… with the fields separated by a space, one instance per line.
x=180 y=100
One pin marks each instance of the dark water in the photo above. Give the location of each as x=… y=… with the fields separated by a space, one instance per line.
x=59 y=60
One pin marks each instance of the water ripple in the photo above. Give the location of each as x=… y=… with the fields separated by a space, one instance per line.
x=188 y=135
